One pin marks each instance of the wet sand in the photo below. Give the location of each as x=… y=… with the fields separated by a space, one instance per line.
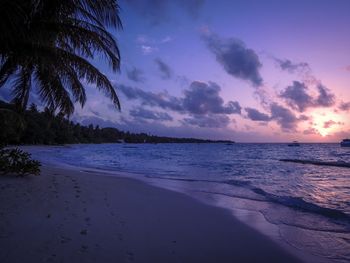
x=71 y=216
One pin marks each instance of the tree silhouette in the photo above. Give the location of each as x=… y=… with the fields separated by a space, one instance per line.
x=46 y=46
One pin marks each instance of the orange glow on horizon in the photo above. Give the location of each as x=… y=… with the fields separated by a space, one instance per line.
x=327 y=123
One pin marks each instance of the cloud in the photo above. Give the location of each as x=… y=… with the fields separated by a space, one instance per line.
x=157 y=12
x=146 y=49
x=166 y=39
x=291 y=67
x=165 y=70
x=141 y=113
x=330 y=123
x=297 y=97
x=199 y=99
x=203 y=98
x=208 y=121
x=237 y=60
x=150 y=45
x=304 y=117
x=255 y=115
x=311 y=131
x=135 y=75
x=284 y=117
x=325 y=97
x=302 y=69
x=344 y=106
x=161 y=100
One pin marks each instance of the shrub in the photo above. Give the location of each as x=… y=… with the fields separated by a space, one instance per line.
x=18 y=162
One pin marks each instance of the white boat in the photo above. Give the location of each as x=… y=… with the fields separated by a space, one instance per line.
x=345 y=143
x=294 y=143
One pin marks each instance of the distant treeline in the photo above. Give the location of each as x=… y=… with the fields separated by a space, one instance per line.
x=46 y=127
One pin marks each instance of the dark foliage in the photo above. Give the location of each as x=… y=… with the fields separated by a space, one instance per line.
x=47 y=47
x=16 y=161
x=47 y=128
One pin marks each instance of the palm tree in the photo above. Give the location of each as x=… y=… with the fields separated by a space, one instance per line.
x=47 y=45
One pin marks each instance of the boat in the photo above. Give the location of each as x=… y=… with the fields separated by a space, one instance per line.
x=345 y=143
x=294 y=143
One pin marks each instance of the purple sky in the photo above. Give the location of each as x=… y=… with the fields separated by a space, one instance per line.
x=250 y=71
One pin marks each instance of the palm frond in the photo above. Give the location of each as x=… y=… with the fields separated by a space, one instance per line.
x=57 y=39
x=7 y=68
x=22 y=87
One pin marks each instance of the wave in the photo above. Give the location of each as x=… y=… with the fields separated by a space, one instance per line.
x=302 y=205
x=296 y=203
x=336 y=164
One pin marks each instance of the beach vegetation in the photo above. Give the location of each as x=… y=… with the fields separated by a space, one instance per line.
x=15 y=161
x=46 y=127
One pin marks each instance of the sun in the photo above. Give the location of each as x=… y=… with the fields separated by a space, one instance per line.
x=323 y=132
x=326 y=122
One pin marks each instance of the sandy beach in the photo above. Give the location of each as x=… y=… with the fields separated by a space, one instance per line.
x=71 y=216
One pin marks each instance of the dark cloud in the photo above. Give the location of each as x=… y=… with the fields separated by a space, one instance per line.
x=160 y=11
x=256 y=115
x=199 y=98
x=237 y=60
x=203 y=98
x=165 y=70
x=325 y=97
x=135 y=75
x=304 y=118
x=291 y=67
x=331 y=123
x=311 y=131
x=297 y=97
x=141 y=113
x=208 y=121
x=345 y=106
x=161 y=100
x=284 y=117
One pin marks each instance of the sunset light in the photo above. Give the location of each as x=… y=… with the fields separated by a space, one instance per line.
x=151 y=131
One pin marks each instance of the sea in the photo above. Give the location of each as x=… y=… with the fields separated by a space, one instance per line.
x=303 y=206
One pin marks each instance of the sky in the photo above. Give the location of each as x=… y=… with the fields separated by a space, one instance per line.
x=249 y=71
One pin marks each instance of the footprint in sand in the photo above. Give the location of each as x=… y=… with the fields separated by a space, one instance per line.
x=84 y=248
x=65 y=239
x=130 y=255
x=52 y=257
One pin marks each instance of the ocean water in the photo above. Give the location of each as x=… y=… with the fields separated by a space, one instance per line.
x=308 y=206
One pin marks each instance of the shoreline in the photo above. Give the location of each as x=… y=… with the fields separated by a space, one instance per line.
x=67 y=215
